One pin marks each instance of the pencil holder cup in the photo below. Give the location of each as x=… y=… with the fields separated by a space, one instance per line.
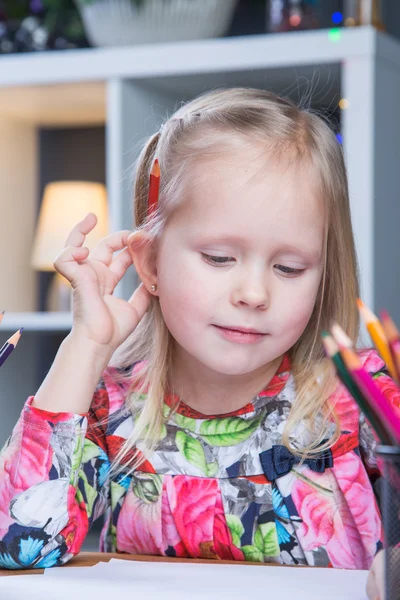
x=390 y=457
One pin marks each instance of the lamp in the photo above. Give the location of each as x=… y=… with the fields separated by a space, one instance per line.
x=64 y=204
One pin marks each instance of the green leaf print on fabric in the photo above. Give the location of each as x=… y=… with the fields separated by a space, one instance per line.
x=163 y=433
x=185 y=422
x=236 y=528
x=378 y=374
x=228 y=432
x=114 y=537
x=117 y=491
x=266 y=539
x=147 y=486
x=90 y=450
x=252 y=554
x=193 y=451
x=76 y=459
x=166 y=410
x=90 y=492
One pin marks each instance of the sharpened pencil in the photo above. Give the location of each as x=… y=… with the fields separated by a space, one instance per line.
x=378 y=337
x=393 y=338
x=9 y=346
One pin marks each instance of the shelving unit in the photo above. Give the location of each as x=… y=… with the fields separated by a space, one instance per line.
x=130 y=90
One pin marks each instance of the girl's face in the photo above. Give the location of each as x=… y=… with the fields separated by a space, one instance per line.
x=243 y=251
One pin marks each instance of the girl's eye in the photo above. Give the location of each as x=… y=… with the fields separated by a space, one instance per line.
x=216 y=260
x=289 y=270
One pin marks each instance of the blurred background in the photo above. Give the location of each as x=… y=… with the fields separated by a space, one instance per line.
x=83 y=82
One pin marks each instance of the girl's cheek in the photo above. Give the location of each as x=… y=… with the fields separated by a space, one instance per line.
x=298 y=310
x=182 y=297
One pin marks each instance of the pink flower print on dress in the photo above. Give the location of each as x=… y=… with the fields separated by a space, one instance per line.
x=327 y=519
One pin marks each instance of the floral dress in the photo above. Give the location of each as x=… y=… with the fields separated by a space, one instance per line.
x=217 y=487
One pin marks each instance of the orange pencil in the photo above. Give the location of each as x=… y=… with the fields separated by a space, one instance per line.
x=378 y=337
x=154 y=187
x=393 y=338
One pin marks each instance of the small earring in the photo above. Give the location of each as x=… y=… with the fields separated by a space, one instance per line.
x=153 y=287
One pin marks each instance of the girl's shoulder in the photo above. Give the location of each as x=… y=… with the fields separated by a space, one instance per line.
x=115 y=385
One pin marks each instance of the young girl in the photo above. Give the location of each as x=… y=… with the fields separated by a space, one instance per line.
x=219 y=431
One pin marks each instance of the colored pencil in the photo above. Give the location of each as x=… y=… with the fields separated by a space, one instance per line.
x=341 y=338
x=154 y=187
x=378 y=337
x=9 y=346
x=333 y=352
x=372 y=394
x=393 y=338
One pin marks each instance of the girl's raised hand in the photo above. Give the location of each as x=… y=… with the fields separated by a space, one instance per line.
x=98 y=316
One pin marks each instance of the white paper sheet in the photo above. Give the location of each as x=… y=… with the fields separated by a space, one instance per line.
x=180 y=581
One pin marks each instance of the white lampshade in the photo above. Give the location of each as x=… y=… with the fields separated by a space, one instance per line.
x=65 y=203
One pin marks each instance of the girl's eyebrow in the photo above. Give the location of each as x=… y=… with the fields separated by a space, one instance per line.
x=309 y=252
x=235 y=239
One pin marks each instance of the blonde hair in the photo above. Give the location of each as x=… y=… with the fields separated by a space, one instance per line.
x=196 y=131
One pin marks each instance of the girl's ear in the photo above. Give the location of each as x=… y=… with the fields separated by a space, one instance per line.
x=142 y=252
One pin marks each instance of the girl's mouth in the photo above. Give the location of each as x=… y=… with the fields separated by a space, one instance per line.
x=241 y=336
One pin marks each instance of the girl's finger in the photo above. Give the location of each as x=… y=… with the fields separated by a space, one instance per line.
x=81 y=229
x=140 y=301
x=65 y=263
x=105 y=249
x=121 y=264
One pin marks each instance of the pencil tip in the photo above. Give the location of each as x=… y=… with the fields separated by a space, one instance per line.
x=155 y=171
x=21 y=330
x=340 y=336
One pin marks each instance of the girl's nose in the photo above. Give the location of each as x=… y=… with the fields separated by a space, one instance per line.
x=252 y=291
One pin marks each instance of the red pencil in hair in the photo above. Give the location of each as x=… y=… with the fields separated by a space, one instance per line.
x=9 y=346
x=154 y=187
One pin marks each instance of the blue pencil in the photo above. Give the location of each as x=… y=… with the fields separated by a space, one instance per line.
x=9 y=346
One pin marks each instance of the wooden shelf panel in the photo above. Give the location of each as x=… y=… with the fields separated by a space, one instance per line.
x=265 y=51
x=70 y=87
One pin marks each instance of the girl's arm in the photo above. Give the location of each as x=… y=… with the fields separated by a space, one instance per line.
x=73 y=376
x=53 y=483
x=53 y=470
